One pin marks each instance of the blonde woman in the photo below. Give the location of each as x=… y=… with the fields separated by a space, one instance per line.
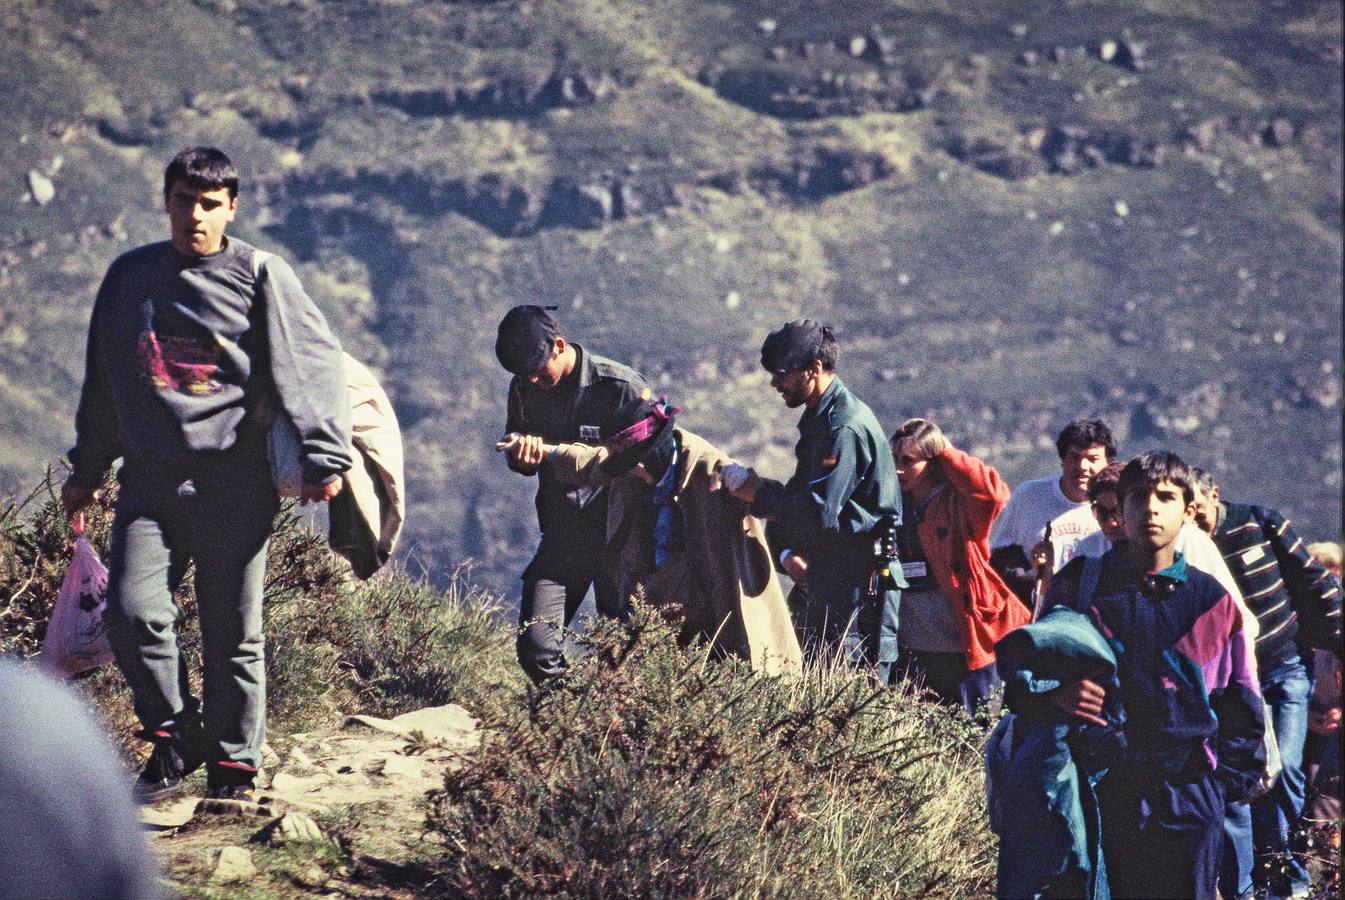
x=957 y=606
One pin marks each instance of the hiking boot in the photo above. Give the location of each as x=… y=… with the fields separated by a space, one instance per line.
x=169 y=763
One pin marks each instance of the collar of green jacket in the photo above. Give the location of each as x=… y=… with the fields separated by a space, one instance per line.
x=835 y=398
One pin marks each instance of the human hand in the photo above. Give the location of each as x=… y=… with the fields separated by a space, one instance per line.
x=1042 y=555
x=1080 y=699
x=795 y=566
x=937 y=441
x=528 y=451
x=75 y=498
x=747 y=490
x=1323 y=720
x=320 y=493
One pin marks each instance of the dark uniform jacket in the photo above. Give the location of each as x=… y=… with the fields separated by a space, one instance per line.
x=844 y=481
x=578 y=410
x=1295 y=600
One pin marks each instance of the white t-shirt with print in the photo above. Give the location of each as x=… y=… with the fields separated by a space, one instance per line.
x=1033 y=504
x=1070 y=529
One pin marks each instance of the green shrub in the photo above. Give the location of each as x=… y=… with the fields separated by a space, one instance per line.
x=649 y=770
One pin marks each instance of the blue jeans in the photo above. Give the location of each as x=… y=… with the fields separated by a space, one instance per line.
x=1285 y=688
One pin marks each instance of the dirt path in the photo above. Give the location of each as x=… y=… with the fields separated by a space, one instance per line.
x=341 y=814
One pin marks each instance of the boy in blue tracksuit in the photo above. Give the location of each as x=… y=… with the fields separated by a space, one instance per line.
x=1193 y=709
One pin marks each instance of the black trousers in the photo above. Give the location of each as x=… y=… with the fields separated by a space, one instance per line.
x=1163 y=839
x=566 y=565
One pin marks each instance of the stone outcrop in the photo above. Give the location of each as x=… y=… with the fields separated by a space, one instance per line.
x=1060 y=149
x=293 y=827
x=825 y=172
x=807 y=92
x=502 y=97
x=233 y=864
x=514 y=210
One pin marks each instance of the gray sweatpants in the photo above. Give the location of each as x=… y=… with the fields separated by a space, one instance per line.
x=217 y=512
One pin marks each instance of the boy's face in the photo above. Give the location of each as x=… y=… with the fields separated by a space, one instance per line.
x=197 y=218
x=1153 y=518
x=551 y=374
x=1107 y=511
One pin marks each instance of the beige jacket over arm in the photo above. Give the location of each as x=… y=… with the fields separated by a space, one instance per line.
x=720 y=582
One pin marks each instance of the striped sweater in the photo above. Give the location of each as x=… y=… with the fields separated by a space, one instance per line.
x=1295 y=600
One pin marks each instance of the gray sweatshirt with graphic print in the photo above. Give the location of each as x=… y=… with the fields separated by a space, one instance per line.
x=182 y=350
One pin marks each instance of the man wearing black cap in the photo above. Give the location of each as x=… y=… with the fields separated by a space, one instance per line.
x=560 y=394
x=843 y=486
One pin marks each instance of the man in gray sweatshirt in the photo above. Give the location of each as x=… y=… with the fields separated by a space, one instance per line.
x=187 y=338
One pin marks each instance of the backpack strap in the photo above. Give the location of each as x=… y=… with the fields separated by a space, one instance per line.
x=1088 y=582
x=264 y=409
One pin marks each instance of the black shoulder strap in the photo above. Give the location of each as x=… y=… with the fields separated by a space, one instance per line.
x=265 y=406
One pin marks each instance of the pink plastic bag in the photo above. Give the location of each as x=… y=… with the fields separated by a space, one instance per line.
x=76 y=636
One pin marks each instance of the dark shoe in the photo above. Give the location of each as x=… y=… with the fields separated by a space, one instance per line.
x=229 y=774
x=230 y=791
x=169 y=763
x=242 y=793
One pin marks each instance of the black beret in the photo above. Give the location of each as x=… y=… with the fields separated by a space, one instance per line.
x=525 y=338
x=793 y=347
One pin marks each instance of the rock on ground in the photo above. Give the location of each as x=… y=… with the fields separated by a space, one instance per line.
x=233 y=864
x=40 y=187
x=291 y=828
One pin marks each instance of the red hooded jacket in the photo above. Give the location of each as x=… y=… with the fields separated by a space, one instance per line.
x=955 y=535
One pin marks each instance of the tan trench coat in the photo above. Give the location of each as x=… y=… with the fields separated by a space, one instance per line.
x=721 y=582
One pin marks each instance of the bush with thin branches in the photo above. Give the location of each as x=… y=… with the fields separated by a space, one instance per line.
x=652 y=770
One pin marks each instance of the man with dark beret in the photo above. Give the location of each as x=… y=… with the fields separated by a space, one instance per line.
x=828 y=513
x=694 y=551
x=560 y=394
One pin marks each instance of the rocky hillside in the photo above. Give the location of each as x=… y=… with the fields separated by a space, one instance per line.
x=1016 y=213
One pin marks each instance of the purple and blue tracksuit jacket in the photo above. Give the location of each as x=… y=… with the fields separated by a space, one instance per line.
x=1192 y=702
